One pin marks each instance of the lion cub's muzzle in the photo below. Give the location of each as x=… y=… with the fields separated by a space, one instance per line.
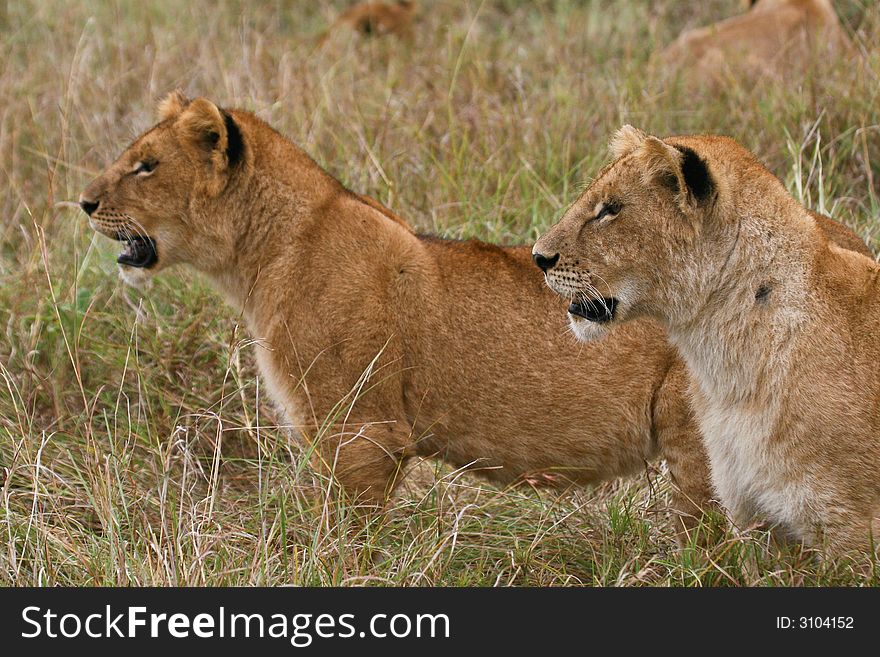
x=593 y=309
x=139 y=251
x=599 y=311
x=88 y=206
x=545 y=263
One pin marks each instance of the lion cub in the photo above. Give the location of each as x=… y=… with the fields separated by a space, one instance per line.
x=775 y=37
x=779 y=328
x=381 y=345
x=376 y=19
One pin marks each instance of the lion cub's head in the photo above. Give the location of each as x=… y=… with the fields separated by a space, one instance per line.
x=152 y=198
x=609 y=253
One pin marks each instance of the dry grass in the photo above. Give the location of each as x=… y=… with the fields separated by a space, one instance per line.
x=141 y=452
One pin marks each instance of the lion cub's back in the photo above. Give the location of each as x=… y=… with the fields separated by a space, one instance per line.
x=501 y=354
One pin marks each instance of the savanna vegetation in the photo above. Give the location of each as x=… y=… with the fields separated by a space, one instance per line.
x=136 y=445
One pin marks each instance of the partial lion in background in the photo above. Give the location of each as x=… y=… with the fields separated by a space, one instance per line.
x=381 y=345
x=774 y=38
x=375 y=19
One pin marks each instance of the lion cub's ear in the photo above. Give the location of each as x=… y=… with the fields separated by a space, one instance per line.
x=172 y=105
x=679 y=169
x=625 y=141
x=660 y=162
x=202 y=124
x=204 y=127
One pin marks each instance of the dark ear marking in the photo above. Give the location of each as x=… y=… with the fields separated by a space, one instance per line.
x=696 y=174
x=234 y=140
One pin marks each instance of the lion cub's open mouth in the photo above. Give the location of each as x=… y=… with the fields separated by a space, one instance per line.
x=594 y=310
x=139 y=251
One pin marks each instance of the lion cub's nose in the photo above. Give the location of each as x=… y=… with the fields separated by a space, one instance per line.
x=88 y=206
x=544 y=262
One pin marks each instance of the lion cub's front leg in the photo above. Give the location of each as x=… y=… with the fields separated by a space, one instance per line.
x=365 y=458
x=679 y=443
x=358 y=441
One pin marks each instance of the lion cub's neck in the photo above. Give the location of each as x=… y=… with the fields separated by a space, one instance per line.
x=267 y=211
x=738 y=342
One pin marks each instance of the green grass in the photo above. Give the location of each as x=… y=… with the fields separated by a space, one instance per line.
x=136 y=446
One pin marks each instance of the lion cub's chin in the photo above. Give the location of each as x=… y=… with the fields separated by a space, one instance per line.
x=136 y=277
x=587 y=331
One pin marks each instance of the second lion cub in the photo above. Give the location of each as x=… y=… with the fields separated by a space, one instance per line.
x=779 y=328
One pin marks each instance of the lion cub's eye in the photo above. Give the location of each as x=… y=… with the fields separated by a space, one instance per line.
x=609 y=209
x=145 y=167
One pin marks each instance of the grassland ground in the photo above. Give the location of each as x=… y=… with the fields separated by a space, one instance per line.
x=136 y=446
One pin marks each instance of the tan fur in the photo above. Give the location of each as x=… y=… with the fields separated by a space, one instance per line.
x=381 y=345
x=779 y=327
x=172 y=105
x=774 y=38
x=376 y=19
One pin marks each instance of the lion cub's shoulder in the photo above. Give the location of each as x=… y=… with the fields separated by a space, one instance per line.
x=387 y=212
